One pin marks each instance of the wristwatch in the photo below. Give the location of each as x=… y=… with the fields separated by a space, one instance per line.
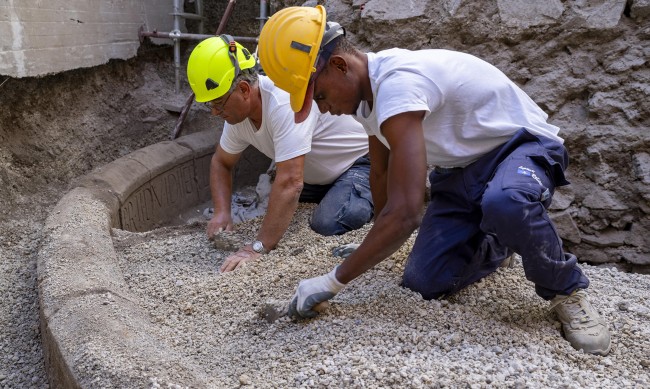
x=258 y=247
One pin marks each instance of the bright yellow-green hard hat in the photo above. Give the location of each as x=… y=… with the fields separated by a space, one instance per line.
x=214 y=64
x=288 y=47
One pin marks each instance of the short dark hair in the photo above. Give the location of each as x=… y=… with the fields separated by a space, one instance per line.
x=343 y=46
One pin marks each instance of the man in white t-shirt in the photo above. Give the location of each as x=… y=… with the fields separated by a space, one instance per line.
x=496 y=165
x=322 y=159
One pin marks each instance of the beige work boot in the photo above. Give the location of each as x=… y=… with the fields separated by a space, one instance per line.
x=511 y=261
x=583 y=327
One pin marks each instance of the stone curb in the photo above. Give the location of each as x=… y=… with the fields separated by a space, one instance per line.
x=93 y=334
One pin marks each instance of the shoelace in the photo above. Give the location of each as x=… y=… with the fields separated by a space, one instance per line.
x=574 y=303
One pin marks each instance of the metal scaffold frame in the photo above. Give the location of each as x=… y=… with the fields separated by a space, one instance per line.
x=176 y=35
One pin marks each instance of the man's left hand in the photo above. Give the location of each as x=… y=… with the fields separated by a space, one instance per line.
x=245 y=254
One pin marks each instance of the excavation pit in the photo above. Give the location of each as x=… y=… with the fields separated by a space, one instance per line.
x=144 y=305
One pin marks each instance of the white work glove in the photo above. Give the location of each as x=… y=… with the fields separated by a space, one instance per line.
x=313 y=291
x=345 y=250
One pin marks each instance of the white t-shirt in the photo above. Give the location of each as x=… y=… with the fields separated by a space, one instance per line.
x=470 y=106
x=330 y=144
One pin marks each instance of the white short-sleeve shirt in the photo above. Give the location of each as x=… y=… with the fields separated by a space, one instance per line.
x=330 y=143
x=470 y=106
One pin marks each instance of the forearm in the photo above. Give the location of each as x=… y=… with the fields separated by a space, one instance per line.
x=221 y=188
x=387 y=235
x=379 y=157
x=399 y=181
x=283 y=202
x=378 y=190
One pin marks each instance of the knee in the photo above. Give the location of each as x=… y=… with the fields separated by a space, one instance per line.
x=428 y=283
x=330 y=220
x=507 y=206
x=356 y=217
x=425 y=288
x=346 y=220
x=325 y=226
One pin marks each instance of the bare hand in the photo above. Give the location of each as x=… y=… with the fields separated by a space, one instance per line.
x=218 y=224
x=245 y=254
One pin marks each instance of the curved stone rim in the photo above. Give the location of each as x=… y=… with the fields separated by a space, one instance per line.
x=86 y=307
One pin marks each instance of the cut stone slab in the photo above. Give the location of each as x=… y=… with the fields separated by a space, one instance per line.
x=567 y=228
x=602 y=199
x=606 y=239
x=394 y=10
x=523 y=13
x=600 y=14
x=640 y=9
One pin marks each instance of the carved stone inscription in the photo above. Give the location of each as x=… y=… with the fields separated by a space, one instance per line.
x=202 y=165
x=160 y=200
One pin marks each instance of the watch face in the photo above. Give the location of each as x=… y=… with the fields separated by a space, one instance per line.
x=258 y=247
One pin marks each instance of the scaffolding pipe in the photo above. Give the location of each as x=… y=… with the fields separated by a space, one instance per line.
x=225 y=17
x=264 y=12
x=198 y=5
x=190 y=99
x=178 y=10
x=188 y=36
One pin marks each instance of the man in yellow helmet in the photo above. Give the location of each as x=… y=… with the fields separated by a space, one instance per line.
x=323 y=159
x=497 y=163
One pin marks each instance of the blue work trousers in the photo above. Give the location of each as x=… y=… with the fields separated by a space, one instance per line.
x=480 y=214
x=344 y=205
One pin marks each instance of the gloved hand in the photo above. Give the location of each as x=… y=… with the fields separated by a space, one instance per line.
x=345 y=250
x=312 y=291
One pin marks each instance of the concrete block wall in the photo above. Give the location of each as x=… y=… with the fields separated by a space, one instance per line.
x=43 y=37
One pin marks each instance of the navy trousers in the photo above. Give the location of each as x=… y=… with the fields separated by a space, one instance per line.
x=480 y=214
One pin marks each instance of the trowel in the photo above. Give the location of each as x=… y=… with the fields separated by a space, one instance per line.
x=271 y=313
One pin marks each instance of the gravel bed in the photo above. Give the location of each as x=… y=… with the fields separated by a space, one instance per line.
x=21 y=354
x=495 y=333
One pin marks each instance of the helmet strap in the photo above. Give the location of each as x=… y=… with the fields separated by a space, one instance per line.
x=232 y=52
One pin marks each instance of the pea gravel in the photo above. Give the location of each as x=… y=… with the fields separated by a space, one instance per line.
x=495 y=333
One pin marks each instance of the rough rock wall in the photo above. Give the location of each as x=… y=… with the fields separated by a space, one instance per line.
x=585 y=63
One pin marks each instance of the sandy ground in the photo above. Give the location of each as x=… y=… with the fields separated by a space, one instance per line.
x=495 y=333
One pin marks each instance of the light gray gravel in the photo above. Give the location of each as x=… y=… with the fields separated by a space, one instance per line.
x=21 y=354
x=496 y=333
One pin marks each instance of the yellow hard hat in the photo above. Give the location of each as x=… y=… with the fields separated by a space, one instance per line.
x=289 y=45
x=214 y=64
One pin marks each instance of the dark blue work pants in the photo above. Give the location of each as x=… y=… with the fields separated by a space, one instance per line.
x=480 y=214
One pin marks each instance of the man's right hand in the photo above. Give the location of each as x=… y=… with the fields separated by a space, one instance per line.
x=218 y=224
x=311 y=292
x=245 y=254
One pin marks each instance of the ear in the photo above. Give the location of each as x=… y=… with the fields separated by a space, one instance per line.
x=339 y=63
x=244 y=88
